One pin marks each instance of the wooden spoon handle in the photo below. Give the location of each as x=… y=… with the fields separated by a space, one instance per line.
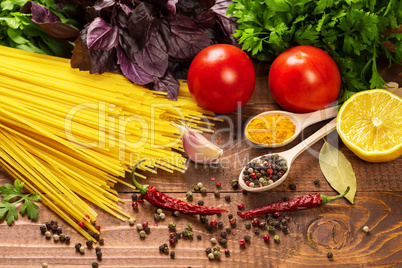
x=291 y=154
x=306 y=120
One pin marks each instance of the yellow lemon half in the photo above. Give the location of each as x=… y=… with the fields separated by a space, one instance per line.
x=370 y=125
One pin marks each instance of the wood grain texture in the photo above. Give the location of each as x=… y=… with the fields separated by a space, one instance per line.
x=335 y=227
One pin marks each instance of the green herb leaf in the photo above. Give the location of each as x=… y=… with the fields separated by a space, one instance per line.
x=337 y=170
x=8 y=210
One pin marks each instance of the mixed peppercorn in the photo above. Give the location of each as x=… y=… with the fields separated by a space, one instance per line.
x=264 y=170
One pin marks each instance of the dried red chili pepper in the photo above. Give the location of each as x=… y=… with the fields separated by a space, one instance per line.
x=161 y=200
x=302 y=202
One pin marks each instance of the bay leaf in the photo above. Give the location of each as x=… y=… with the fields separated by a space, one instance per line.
x=337 y=170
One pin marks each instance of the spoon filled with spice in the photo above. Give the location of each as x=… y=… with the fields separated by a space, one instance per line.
x=268 y=171
x=278 y=128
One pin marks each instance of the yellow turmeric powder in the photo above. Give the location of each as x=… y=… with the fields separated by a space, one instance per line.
x=270 y=129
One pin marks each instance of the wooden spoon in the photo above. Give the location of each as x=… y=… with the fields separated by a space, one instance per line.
x=289 y=156
x=301 y=121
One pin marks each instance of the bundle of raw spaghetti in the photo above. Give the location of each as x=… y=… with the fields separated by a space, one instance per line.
x=70 y=135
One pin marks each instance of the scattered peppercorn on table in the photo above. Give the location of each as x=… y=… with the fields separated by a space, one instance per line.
x=367 y=233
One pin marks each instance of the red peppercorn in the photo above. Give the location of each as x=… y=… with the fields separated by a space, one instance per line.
x=270 y=171
x=213 y=223
x=247 y=183
x=172 y=235
x=232 y=221
x=218 y=184
x=134 y=205
x=277 y=214
x=145 y=224
x=172 y=241
x=240 y=206
x=255 y=222
x=253 y=175
x=227 y=252
x=81 y=224
x=86 y=215
x=97 y=227
x=266 y=237
x=242 y=242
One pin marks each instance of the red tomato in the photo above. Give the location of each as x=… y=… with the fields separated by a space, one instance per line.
x=304 y=79
x=221 y=78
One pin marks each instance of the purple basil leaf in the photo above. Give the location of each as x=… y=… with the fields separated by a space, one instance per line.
x=41 y=14
x=122 y=19
x=128 y=44
x=226 y=23
x=103 y=61
x=131 y=70
x=171 y=5
x=153 y=58
x=50 y=22
x=141 y=23
x=81 y=58
x=167 y=84
x=164 y=30
x=102 y=36
x=179 y=68
x=125 y=8
x=187 y=38
x=205 y=18
x=191 y=5
x=101 y=4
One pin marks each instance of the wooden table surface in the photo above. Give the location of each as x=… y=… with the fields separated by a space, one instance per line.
x=335 y=227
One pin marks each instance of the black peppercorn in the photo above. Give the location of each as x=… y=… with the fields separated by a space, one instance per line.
x=89 y=243
x=247 y=238
x=230 y=216
x=228 y=230
x=248 y=225
x=227 y=198
x=199 y=237
x=59 y=230
x=134 y=197
x=209 y=228
x=147 y=230
x=54 y=229
x=67 y=239
x=208 y=250
x=99 y=255
x=201 y=203
x=78 y=246
x=101 y=241
x=95 y=265
x=172 y=254
x=48 y=226
x=330 y=255
x=292 y=186
x=98 y=249
x=316 y=181
x=257 y=231
x=43 y=229
x=220 y=225
x=96 y=236
x=223 y=234
x=223 y=242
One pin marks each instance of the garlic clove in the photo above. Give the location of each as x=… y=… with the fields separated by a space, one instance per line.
x=199 y=149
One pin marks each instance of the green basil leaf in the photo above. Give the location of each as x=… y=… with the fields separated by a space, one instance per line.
x=337 y=170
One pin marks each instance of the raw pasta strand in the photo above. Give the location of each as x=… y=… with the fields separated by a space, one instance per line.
x=71 y=135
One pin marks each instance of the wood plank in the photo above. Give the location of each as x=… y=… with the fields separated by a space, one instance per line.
x=335 y=227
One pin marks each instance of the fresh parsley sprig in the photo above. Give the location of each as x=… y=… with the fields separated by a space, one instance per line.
x=350 y=31
x=8 y=210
